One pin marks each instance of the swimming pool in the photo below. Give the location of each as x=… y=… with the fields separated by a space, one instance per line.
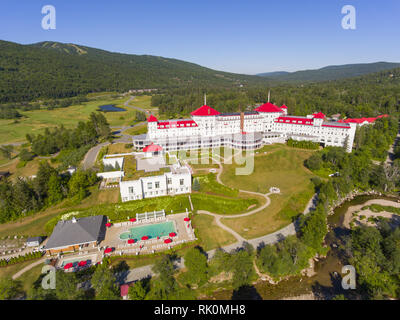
x=152 y=231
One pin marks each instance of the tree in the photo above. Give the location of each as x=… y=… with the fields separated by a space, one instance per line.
x=139 y=290
x=165 y=284
x=10 y=289
x=104 y=283
x=42 y=179
x=196 y=263
x=80 y=182
x=25 y=155
x=243 y=269
x=100 y=124
x=55 y=193
x=66 y=285
x=5 y=151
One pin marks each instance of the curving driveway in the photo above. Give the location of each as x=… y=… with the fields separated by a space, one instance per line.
x=146 y=271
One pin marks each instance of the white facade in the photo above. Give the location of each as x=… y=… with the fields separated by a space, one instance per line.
x=178 y=181
x=113 y=161
x=265 y=125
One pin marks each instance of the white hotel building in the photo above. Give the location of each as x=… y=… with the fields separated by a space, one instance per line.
x=178 y=181
x=267 y=124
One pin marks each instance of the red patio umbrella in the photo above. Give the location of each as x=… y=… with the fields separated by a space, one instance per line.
x=108 y=250
x=68 y=266
x=132 y=219
x=131 y=241
x=82 y=263
x=145 y=238
x=172 y=234
x=167 y=240
x=108 y=224
x=186 y=219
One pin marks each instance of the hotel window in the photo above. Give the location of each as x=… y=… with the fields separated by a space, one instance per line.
x=130 y=189
x=169 y=181
x=157 y=185
x=181 y=181
x=149 y=185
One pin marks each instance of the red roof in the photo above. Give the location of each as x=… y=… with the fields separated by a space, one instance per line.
x=152 y=148
x=361 y=120
x=268 y=107
x=176 y=124
x=295 y=120
x=283 y=106
x=319 y=115
x=152 y=119
x=205 y=111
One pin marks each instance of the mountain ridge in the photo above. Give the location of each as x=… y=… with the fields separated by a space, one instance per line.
x=331 y=72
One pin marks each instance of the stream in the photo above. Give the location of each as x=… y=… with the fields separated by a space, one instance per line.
x=326 y=283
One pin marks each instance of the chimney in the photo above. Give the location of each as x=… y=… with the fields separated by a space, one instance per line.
x=242 y=121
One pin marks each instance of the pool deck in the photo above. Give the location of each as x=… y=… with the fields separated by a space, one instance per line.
x=184 y=234
x=81 y=256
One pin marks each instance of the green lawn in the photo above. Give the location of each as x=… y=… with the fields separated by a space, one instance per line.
x=34 y=225
x=211 y=236
x=209 y=184
x=121 y=211
x=36 y=121
x=282 y=168
x=28 y=278
x=222 y=205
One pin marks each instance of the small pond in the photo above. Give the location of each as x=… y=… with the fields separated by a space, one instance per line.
x=110 y=108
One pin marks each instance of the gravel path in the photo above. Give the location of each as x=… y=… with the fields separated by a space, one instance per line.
x=27 y=268
x=143 y=272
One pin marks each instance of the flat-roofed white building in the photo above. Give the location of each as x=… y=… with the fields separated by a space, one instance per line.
x=178 y=181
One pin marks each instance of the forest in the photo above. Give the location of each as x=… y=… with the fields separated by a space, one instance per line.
x=50 y=186
x=51 y=70
x=364 y=96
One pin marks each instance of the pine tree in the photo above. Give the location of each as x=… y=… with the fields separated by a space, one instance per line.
x=196 y=185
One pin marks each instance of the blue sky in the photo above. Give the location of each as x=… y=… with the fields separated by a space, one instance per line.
x=237 y=36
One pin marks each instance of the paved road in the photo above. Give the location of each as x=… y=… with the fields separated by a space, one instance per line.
x=126 y=104
x=390 y=156
x=91 y=155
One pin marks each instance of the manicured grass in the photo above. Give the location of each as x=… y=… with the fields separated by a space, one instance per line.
x=211 y=236
x=34 y=225
x=28 y=170
x=282 y=168
x=121 y=211
x=132 y=174
x=118 y=148
x=36 y=121
x=221 y=205
x=209 y=184
x=27 y=278
x=139 y=129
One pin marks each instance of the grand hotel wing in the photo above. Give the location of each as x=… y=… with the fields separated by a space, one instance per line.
x=266 y=124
